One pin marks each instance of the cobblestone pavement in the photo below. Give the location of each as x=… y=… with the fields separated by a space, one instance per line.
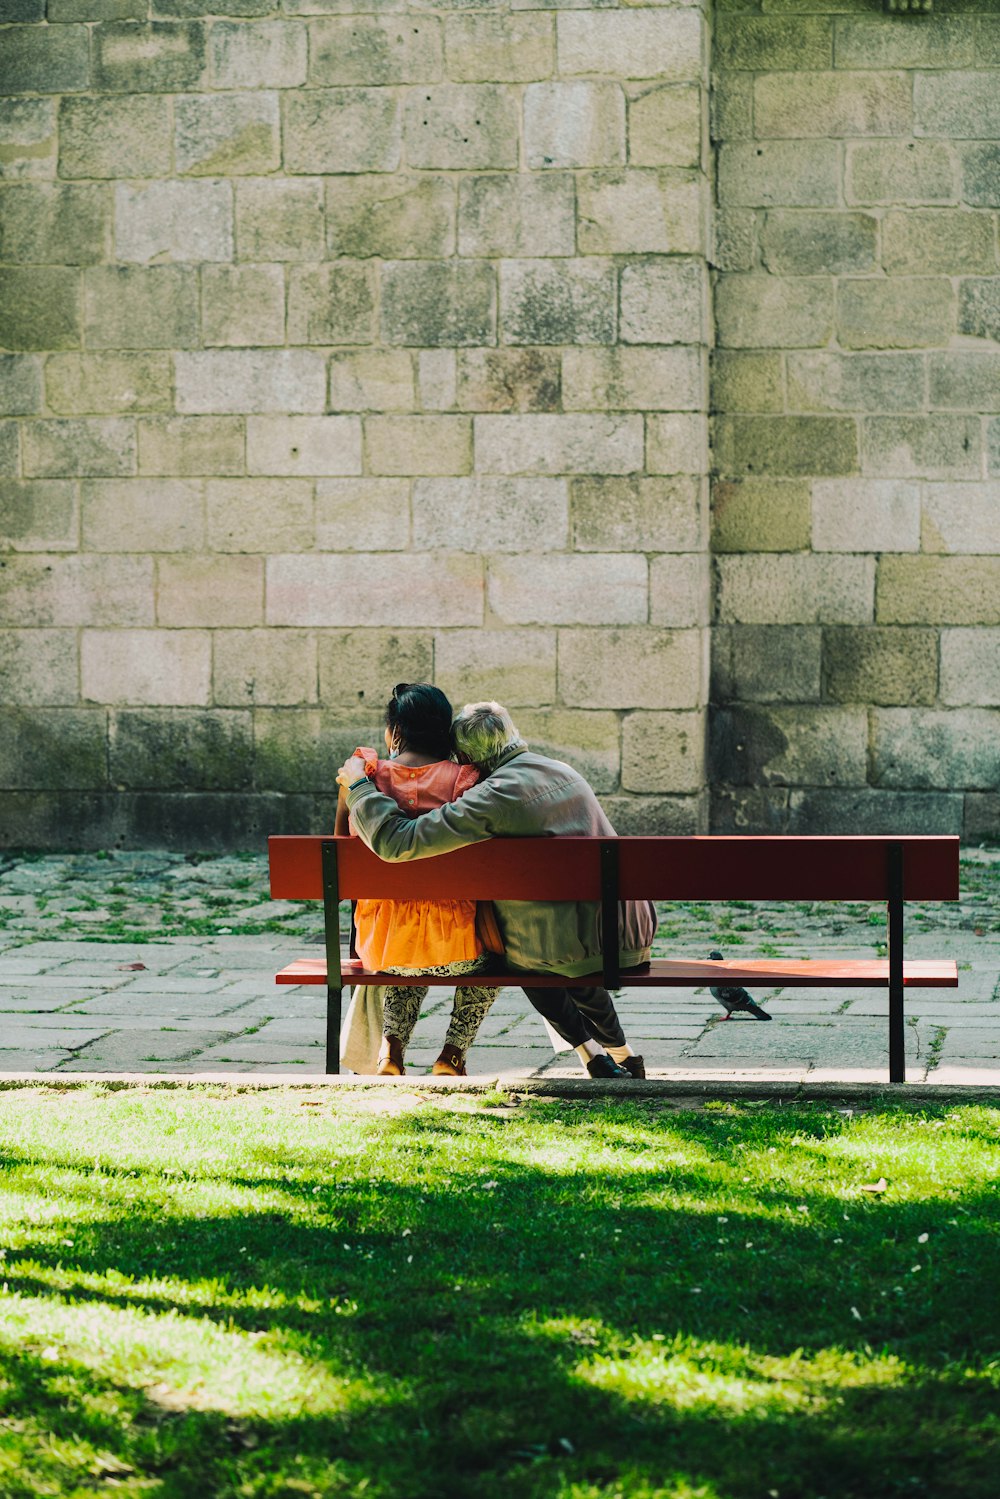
x=160 y=963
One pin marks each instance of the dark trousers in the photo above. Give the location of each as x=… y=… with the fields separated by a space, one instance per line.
x=579 y=1015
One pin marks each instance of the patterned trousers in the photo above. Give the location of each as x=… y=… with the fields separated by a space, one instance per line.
x=469 y=1009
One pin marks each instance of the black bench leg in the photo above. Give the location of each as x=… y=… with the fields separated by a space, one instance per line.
x=333 y=1031
x=894 y=915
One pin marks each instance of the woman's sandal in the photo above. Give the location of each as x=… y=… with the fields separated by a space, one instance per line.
x=390 y=1062
x=451 y=1063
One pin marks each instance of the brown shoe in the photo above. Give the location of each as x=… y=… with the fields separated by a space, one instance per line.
x=390 y=1062
x=451 y=1063
x=634 y=1066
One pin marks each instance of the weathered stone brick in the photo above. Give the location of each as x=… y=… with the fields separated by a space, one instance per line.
x=970 y=667
x=901 y=172
x=865 y=515
x=39 y=666
x=418 y=444
x=331 y=304
x=372 y=380
x=191 y=445
x=636 y=212
x=508 y=380
x=51 y=223
x=785 y=446
x=437 y=379
x=357 y=668
x=179 y=749
x=279 y=220
x=957 y=104
x=272 y=667
x=461 y=126
x=341 y=130
x=760 y=515
x=218 y=381
x=342 y=506
x=209 y=590
x=586 y=589
x=832 y=104
x=53 y=449
x=226 y=134
x=398 y=218
x=148 y=668
x=558 y=444
x=39 y=307
x=96 y=10
x=979 y=307
x=140 y=307
x=769 y=311
x=97 y=135
x=45 y=60
x=558 y=301
x=303 y=750
x=664 y=379
x=359 y=49
x=745 y=380
x=258 y=54
x=993 y=447
x=10 y=449
x=664 y=126
x=671 y=816
x=516 y=214
x=638 y=515
x=632 y=668
x=20 y=385
x=663 y=302
x=958 y=517
x=879 y=664
x=854 y=382
x=53 y=748
x=909 y=312
x=149 y=59
x=141 y=515
x=775 y=173
x=677 y=444
x=943 y=749
x=516 y=667
x=805 y=244
x=789 y=746
x=787 y=590
x=980 y=166
x=945 y=240
x=77 y=590
x=590 y=742
x=666 y=44
x=938 y=591
x=391 y=589
x=438 y=303
x=260 y=515
x=663 y=752
x=574 y=124
x=516 y=48
x=679 y=591
x=873 y=812
x=28 y=138
x=37 y=516
x=766 y=44
x=730 y=106
x=881 y=42
x=927 y=447
x=243 y=305
x=174 y=220
x=84 y=384
x=490 y=515
x=964 y=381
x=766 y=663
x=299 y=445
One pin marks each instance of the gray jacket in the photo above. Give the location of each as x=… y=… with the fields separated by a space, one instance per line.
x=525 y=796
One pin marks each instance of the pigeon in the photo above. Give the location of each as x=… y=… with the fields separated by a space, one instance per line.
x=736 y=1000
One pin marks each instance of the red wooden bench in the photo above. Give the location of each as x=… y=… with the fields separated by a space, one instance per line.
x=892 y=870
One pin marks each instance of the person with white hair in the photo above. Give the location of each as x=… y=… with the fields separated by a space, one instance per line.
x=522 y=794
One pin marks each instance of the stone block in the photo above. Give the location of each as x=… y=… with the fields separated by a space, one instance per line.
x=271 y=667
x=636 y=667
x=855 y=382
x=800 y=103
x=243 y=305
x=589 y=742
x=508 y=380
x=234 y=380
x=357 y=668
x=87 y=447
x=180 y=750
x=760 y=515
x=768 y=43
x=790 y=590
x=574 y=124
x=513 y=214
x=758 y=311
x=39 y=307
x=637 y=515
x=418 y=444
x=665 y=126
x=745 y=380
x=98 y=135
x=279 y=220
x=54 y=223
x=28 y=138
x=10 y=449
x=84 y=384
x=141 y=515
x=301 y=445
x=260 y=515
x=641 y=212
x=911 y=312
x=677 y=444
x=979 y=307
x=558 y=301
x=785 y=446
x=461 y=127
x=517 y=48
x=161 y=57
x=901 y=172
x=140 y=307
x=20 y=385
x=964 y=381
x=437 y=379
x=38 y=666
x=362 y=515
x=292 y=751
x=970 y=667
x=331 y=304
x=397 y=218
x=958 y=517
x=38 y=515
x=865 y=515
x=146 y=668
x=570 y=444
x=62 y=11
x=680 y=591
x=734 y=240
x=789 y=746
x=921 y=447
x=993 y=447
x=879 y=664
x=225 y=135
x=342 y=130
x=258 y=54
x=53 y=749
x=209 y=591
x=641 y=816
x=807 y=244
x=360 y=589
x=515 y=667
x=367 y=49
x=980 y=169
x=490 y=515
x=873 y=811
x=434 y=304
x=981 y=823
x=584 y=589
x=948 y=241
x=730 y=107
x=633 y=379
x=775 y=173
x=882 y=42
x=663 y=302
x=950 y=749
x=938 y=591
x=960 y=104
x=372 y=380
x=766 y=663
x=45 y=60
x=191 y=445
x=173 y=221
x=668 y=44
x=663 y=752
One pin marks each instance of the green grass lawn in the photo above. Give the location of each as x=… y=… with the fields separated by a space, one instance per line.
x=295 y=1293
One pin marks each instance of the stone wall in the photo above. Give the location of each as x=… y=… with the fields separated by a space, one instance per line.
x=341 y=345
x=856 y=514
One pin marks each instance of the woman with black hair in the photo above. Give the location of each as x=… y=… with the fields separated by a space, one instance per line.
x=416 y=936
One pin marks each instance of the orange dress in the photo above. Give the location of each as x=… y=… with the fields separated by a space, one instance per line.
x=417 y=933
